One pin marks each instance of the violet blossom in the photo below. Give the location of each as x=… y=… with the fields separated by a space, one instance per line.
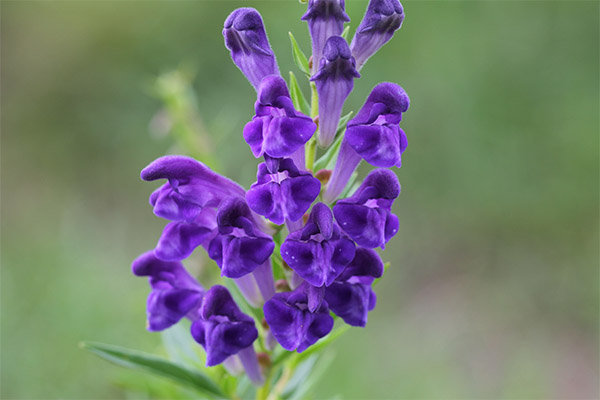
x=175 y=294
x=281 y=191
x=224 y=331
x=246 y=39
x=319 y=252
x=325 y=19
x=334 y=81
x=277 y=129
x=366 y=216
x=373 y=135
x=294 y=326
x=239 y=247
x=350 y=296
x=381 y=20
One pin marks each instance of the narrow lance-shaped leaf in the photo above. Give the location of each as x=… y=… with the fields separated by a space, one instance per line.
x=327 y=160
x=345 y=32
x=299 y=57
x=300 y=102
x=157 y=365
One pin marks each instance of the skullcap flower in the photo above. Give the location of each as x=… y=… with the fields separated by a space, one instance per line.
x=246 y=39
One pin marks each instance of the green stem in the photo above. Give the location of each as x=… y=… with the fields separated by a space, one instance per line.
x=311 y=150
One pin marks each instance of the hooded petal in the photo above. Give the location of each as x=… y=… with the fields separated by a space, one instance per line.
x=246 y=39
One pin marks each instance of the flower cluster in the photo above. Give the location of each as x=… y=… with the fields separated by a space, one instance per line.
x=292 y=217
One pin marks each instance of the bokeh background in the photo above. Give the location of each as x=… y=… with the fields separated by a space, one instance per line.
x=493 y=288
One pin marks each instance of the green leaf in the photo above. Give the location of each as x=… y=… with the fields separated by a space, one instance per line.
x=327 y=160
x=297 y=96
x=315 y=372
x=157 y=365
x=299 y=57
x=345 y=32
x=321 y=344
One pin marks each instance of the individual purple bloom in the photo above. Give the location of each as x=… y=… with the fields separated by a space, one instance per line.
x=381 y=20
x=294 y=326
x=320 y=251
x=180 y=238
x=366 y=216
x=350 y=296
x=246 y=39
x=239 y=247
x=175 y=294
x=277 y=129
x=222 y=329
x=191 y=186
x=334 y=80
x=373 y=135
x=281 y=191
x=325 y=19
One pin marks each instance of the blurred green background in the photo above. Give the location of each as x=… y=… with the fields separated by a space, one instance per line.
x=493 y=289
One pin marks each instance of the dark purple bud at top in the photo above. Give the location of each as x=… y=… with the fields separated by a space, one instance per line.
x=366 y=216
x=191 y=187
x=334 y=80
x=282 y=191
x=350 y=296
x=246 y=39
x=381 y=20
x=320 y=251
x=291 y=322
x=239 y=247
x=175 y=294
x=374 y=133
x=222 y=329
x=325 y=19
x=277 y=129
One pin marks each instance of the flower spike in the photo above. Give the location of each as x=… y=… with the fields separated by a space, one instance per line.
x=334 y=81
x=246 y=39
x=381 y=20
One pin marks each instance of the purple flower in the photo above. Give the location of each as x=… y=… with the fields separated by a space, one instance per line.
x=373 y=134
x=246 y=39
x=180 y=238
x=277 y=130
x=222 y=329
x=239 y=247
x=381 y=20
x=366 y=216
x=350 y=296
x=175 y=294
x=334 y=80
x=191 y=186
x=320 y=251
x=325 y=19
x=282 y=191
x=292 y=323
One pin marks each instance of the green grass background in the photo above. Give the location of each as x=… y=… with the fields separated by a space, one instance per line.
x=493 y=288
